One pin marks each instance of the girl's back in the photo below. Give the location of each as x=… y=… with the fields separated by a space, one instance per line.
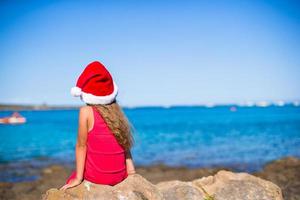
x=105 y=159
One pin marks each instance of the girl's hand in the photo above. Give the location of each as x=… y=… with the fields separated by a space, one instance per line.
x=74 y=182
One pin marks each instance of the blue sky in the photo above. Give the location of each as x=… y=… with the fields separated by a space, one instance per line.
x=159 y=52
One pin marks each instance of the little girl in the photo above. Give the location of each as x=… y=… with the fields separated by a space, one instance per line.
x=104 y=135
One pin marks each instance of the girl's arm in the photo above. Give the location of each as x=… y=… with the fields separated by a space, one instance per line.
x=81 y=142
x=129 y=163
x=80 y=148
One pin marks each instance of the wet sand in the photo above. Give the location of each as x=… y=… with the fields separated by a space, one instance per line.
x=284 y=172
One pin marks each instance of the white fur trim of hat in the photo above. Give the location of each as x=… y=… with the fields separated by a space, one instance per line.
x=92 y=99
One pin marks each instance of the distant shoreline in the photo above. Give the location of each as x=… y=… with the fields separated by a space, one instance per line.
x=30 y=107
x=17 y=107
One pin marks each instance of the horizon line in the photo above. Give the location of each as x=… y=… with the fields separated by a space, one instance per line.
x=209 y=104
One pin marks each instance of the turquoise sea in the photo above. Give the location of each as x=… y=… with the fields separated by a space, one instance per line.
x=177 y=136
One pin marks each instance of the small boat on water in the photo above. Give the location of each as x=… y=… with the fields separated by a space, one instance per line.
x=15 y=118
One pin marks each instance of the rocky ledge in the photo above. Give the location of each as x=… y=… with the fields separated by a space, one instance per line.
x=224 y=185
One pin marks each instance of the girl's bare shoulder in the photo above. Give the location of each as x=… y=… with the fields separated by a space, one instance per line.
x=85 y=110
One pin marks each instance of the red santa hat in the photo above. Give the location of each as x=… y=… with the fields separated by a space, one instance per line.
x=95 y=85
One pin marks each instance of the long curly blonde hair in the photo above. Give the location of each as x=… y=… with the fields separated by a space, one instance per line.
x=117 y=122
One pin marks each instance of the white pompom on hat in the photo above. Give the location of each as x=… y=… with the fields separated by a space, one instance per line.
x=75 y=91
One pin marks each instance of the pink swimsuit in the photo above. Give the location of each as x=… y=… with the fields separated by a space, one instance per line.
x=105 y=158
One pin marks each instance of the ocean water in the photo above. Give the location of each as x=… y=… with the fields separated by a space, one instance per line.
x=177 y=136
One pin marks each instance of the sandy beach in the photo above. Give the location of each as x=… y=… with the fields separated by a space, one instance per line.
x=284 y=172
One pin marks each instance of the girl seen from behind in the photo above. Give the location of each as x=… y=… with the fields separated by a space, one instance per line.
x=104 y=134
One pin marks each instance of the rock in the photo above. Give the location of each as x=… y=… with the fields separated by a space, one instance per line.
x=225 y=185
x=177 y=190
x=237 y=186
x=135 y=187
